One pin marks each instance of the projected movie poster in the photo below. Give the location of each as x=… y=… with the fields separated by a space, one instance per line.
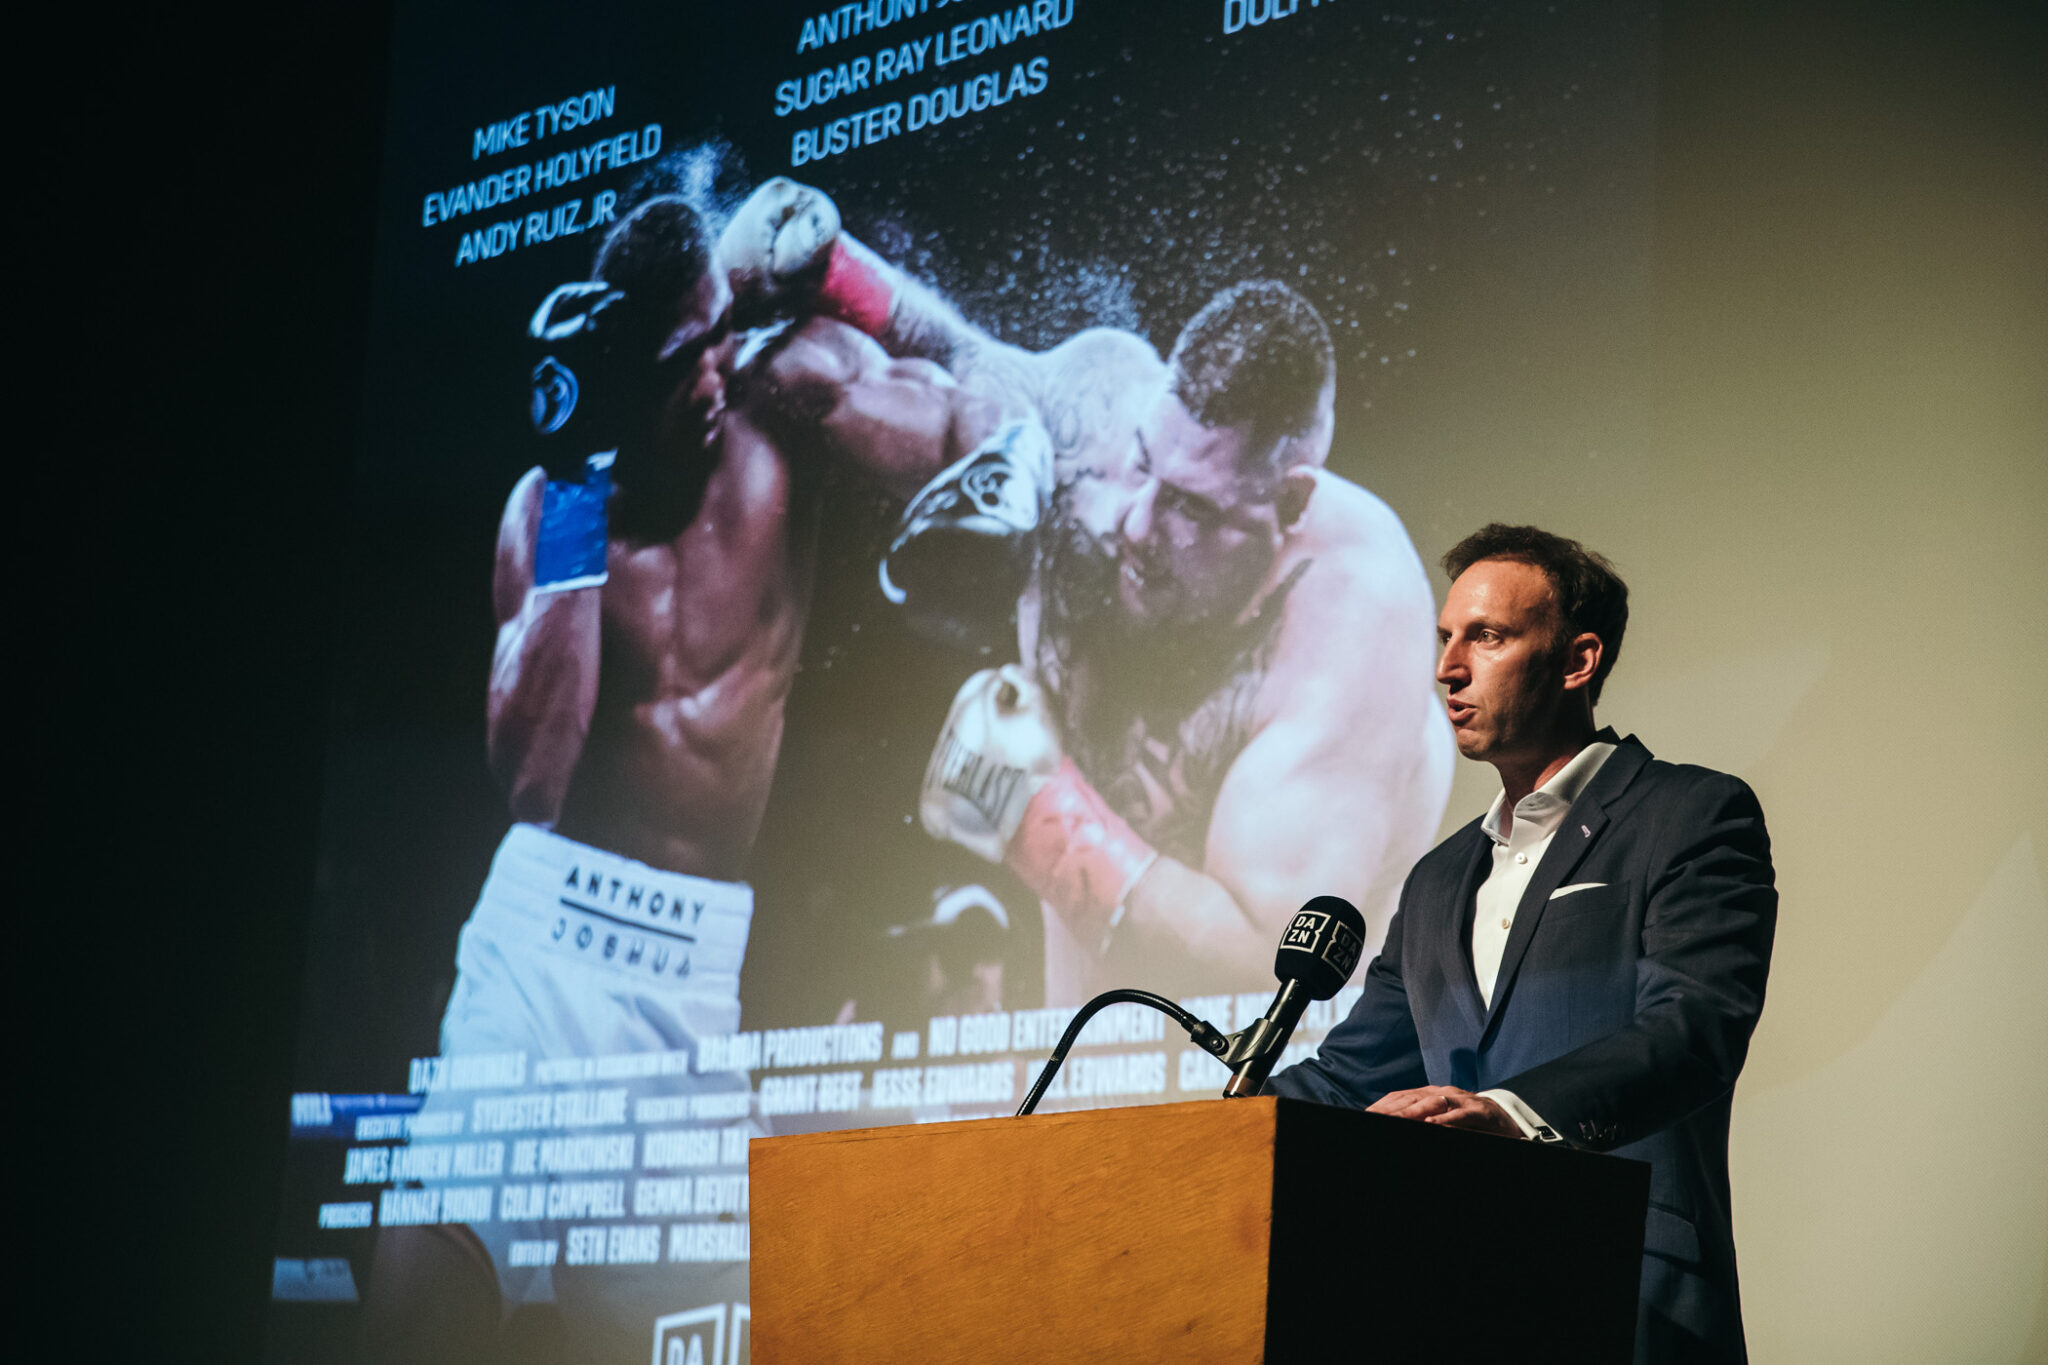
x=878 y=523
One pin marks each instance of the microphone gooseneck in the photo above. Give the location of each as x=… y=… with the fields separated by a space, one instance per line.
x=1206 y=1035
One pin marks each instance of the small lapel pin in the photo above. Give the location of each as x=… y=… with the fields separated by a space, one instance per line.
x=1586 y=830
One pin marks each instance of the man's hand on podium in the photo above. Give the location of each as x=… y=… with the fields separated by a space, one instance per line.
x=1449 y=1106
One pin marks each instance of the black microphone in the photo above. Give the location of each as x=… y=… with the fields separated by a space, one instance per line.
x=1317 y=955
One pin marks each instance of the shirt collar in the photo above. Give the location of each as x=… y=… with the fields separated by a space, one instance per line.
x=1542 y=810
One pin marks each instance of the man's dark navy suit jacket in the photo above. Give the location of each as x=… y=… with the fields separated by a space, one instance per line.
x=1621 y=1013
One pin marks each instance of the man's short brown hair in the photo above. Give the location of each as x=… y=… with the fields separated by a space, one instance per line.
x=1257 y=353
x=1591 y=597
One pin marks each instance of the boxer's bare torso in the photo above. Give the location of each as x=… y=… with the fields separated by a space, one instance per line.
x=1161 y=751
x=700 y=635
x=1292 y=750
x=690 y=647
x=659 y=735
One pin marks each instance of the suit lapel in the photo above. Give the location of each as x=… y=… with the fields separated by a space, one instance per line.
x=1454 y=941
x=1575 y=838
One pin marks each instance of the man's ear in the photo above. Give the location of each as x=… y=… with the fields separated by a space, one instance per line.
x=1297 y=486
x=1582 y=657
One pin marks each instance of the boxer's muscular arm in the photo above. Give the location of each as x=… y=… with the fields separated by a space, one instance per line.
x=1307 y=809
x=544 y=670
x=901 y=421
x=1091 y=387
x=922 y=325
x=895 y=422
x=786 y=256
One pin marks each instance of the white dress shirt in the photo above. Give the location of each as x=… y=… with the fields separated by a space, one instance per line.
x=1515 y=857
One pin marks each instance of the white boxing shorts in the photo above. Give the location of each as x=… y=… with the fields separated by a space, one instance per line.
x=573 y=952
x=576 y=952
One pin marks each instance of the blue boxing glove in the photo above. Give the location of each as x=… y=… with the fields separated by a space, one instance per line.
x=574 y=408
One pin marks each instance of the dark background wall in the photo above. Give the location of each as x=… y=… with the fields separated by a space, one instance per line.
x=198 y=289
x=207 y=300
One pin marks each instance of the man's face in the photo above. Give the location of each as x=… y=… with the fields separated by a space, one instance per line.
x=1500 y=661
x=696 y=361
x=1186 y=517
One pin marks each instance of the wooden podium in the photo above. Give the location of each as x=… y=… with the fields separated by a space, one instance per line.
x=1238 y=1231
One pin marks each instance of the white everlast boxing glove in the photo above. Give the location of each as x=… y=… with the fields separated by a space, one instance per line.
x=998 y=748
x=780 y=234
x=784 y=253
x=999 y=784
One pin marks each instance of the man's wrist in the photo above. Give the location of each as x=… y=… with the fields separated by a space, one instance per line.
x=1528 y=1120
x=857 y=288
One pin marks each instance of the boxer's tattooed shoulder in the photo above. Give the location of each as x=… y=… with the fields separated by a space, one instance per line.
x=1089 y=388
x=1077 y=405
x=1162 y=768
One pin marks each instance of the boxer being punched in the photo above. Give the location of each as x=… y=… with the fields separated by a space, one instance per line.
x=1223 y=702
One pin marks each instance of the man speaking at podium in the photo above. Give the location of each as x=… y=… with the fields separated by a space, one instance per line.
x=1585 y=962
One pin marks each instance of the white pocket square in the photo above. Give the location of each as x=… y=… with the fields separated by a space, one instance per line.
x=1575 y=886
